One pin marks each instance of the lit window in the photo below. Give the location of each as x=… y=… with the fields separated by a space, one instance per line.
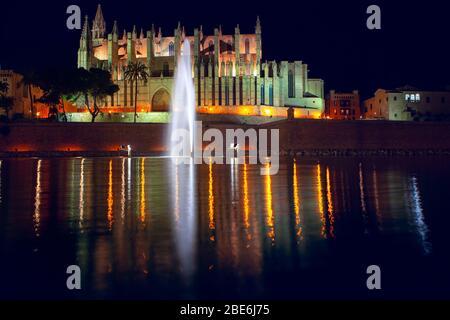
x=417 y=97
x=247 y=46
x=413 y=97
x=407 y=97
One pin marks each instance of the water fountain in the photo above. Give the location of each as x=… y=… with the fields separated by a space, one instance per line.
x=181 y=130
x=182 y=168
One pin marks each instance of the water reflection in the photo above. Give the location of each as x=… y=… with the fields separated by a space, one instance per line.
x=417 y=211
x=110 y=195
x=330 y=205
x=181 y=229
x=296 y=200
x=183 y=197
x=142 y=193
x=122 y=191
x=211 y=200
x=320 y=201
x=81 y=201
x=37 y=200
x=269 y=206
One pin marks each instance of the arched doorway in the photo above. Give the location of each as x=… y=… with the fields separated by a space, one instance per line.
x=161 y=101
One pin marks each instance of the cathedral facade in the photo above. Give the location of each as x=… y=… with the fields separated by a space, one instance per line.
x=229 y=73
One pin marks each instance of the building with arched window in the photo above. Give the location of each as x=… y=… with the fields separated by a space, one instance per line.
x=229 y=72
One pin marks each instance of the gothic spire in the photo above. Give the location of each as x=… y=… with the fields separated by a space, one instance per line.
x=115 y=30
x=99 y=25
x=141 y=35
x=85 y=32
x=258 y=25
x=99 y=13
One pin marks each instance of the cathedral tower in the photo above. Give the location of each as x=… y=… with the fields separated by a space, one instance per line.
x=98 y=25
x=85 y=50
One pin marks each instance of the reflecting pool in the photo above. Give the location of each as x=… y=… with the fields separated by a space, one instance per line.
x=138 y=228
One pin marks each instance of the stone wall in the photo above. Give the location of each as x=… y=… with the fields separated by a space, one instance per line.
x=362 y=135
x=296 y=135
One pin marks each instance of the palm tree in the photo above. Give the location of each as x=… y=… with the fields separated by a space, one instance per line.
x=136 y=71
x=30 y=79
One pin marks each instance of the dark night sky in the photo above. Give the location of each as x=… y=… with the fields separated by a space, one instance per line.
x=331 y=36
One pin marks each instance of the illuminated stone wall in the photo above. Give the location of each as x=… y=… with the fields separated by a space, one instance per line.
x=146 y=117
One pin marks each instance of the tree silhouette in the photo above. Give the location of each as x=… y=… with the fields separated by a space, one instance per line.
x=134 y=72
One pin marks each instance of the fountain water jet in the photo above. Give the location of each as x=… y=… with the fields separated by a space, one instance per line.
x=182 y=173
x=182 y=107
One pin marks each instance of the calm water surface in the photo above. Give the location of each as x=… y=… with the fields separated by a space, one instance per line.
x=139 y=228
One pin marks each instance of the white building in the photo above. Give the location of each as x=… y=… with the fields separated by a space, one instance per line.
x=407 y=103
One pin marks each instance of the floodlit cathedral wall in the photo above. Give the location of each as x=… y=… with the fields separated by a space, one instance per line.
x=228 y=71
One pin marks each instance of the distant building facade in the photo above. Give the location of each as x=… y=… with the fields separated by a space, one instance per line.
x=22 y=95
x=343 y=106
x=407 y=103
x=228 y=71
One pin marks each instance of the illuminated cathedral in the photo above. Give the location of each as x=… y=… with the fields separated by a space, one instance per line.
x=229 y=74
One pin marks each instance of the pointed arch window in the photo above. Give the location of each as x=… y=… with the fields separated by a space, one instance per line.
x=247 y=46
x=263 y=95
x=211 y=46
x=291 y=84
x=270 y=94
x=171 y=49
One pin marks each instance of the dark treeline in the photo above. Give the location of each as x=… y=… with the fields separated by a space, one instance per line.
x=77 y=86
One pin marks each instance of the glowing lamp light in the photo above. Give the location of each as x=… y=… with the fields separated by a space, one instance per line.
x=268 y=112
x=244 y=110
